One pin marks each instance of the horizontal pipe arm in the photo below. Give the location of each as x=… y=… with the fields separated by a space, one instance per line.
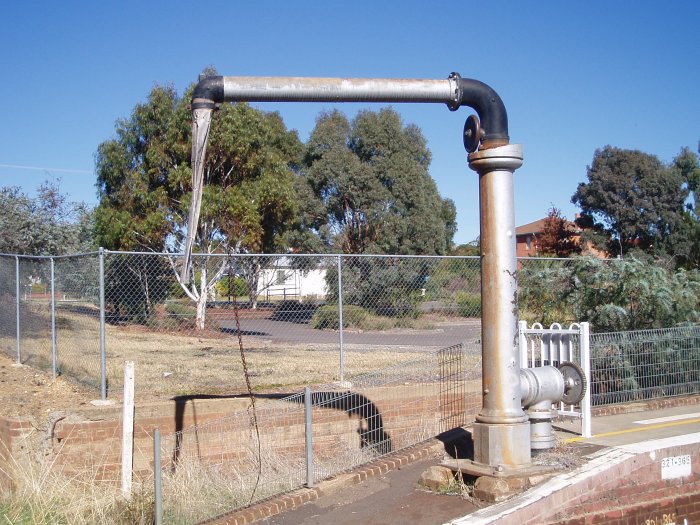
x=298 y=89
x=453 y=91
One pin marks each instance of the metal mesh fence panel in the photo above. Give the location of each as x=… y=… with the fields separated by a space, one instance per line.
x=221 y=465
x=395 y=308
x=212 y=468
x=302 y=319
x=183 y=337
x=630 y=366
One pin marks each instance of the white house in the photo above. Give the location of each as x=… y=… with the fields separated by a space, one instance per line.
x=283 y=280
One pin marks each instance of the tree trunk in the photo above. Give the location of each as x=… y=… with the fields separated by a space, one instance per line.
x=202 y=299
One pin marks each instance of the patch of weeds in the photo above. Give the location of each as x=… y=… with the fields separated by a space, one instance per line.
x=562 y=457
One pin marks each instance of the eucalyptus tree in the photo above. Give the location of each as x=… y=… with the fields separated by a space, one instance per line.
x=370 y=192
x=144 y=185
x=639 y=201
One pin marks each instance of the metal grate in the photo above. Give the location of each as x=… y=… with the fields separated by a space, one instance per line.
x=380 y=412
x=646 y=364
x=453 y=387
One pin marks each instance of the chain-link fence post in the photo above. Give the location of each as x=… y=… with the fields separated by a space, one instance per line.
x=103 y=350
x=340 y=319
x=53 y=320
x=19 y=354
x=308 y=425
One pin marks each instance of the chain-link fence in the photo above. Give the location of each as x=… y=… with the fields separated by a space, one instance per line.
x=303 y=319
x=50 y=314
x=301 y=439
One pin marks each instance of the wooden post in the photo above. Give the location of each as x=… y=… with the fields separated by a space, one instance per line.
x=128 y=429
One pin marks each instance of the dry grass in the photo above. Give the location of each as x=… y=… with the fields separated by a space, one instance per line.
x=44 y=495
x=170 y=364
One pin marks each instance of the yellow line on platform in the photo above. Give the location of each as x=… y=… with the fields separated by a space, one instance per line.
x=639 y=429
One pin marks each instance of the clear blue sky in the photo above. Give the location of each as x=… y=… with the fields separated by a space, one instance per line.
x=574 y=76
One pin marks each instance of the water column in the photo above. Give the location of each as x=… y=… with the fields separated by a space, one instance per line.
x=501 y=432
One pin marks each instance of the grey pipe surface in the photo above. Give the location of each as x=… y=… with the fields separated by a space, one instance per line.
x=499 y=307
x=301 y=89
x=453 y=91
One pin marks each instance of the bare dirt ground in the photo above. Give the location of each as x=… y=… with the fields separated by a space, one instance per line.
x=25 y=391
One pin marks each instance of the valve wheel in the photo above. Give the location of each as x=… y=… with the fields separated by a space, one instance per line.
x=575 y=383
x=472 y=134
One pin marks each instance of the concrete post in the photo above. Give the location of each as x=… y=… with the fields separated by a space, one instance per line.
x=501 y=432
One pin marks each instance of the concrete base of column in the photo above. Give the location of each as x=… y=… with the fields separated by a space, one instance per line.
x=505 y=445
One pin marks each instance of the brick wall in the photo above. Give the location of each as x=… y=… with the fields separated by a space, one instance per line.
x=88 y=442
x=618 y=486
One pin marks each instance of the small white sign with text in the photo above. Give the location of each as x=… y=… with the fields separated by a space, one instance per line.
x=675 y=467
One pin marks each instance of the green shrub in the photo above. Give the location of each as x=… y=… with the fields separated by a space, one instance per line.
x=235 y=287
x=176 y=291
x=180 y=310
x=468 y=304
x=326 y=317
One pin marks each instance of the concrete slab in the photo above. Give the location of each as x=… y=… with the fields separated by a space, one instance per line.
x=633 y=427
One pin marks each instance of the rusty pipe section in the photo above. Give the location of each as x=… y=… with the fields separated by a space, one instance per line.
x=453 y=91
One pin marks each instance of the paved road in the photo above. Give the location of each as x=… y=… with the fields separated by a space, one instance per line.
x=444 y=334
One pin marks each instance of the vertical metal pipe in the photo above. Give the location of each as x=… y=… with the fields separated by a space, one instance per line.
x=157 y=478
x=309 y=437
x=340 y=319
x=53 y=320
x=501 y=431
x=499 y=323
x=17 y=291
x=103 y=349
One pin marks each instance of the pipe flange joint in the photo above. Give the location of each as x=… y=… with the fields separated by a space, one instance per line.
x=456 y=84
x=202 y=103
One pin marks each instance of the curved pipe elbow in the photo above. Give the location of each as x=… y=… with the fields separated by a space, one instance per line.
x=208 y=92
x=488 y=105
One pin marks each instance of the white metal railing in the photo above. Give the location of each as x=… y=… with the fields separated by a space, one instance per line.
x=541 y=346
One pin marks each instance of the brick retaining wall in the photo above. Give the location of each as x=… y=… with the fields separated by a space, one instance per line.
x=618 y=486
x=88 y=441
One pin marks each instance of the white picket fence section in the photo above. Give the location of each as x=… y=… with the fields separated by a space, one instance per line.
x=541 y=346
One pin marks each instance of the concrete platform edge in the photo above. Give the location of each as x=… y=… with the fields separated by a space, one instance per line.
x=545 y=499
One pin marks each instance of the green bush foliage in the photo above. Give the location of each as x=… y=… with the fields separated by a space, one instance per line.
x=327 y=317
x=232 y=287
x=468 y=304
x=180 y=310
x=614 y=295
